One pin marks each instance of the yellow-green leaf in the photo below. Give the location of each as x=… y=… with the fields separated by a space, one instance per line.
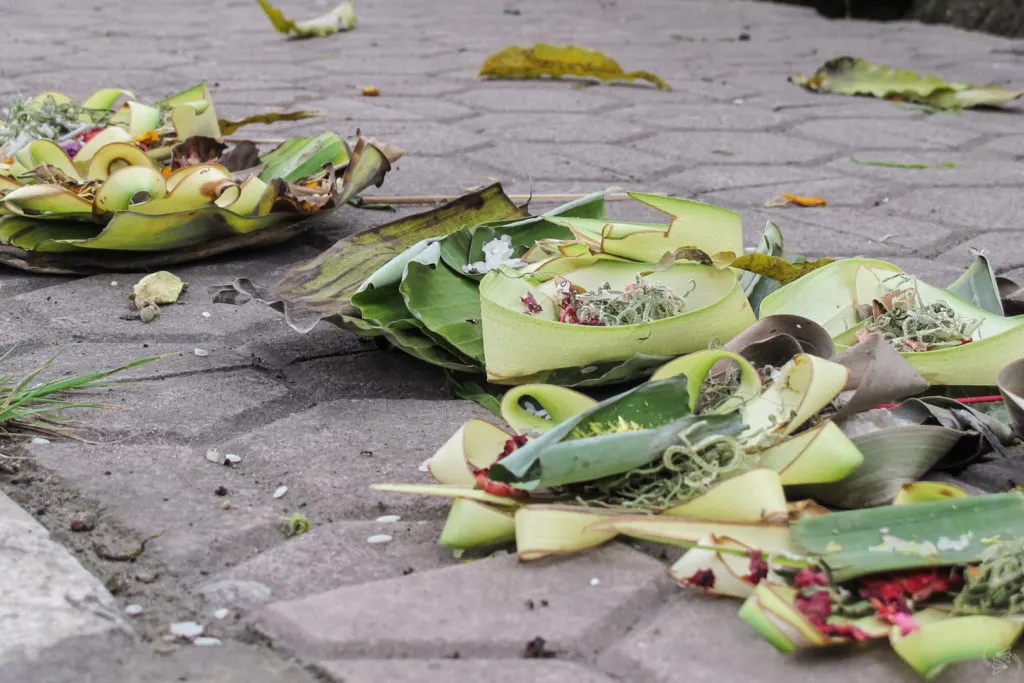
x=341 y=18
x=228 y=127
x=560 y=60
x=853 y=76
x=776 y=267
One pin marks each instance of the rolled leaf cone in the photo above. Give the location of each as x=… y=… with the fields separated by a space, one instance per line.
x=935 y=645
x=830 y=296
x=727 y=569
x=472 y=524
x=1011 y=386
x=715 y=310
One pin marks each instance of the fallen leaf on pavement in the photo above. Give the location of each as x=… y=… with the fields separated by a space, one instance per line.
x=897 y=164
x=228 y=127
x=785 y=199
x=341 y=18
x=560 y=60
x=854 y=76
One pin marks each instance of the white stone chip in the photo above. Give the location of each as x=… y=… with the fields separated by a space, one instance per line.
x=232 y=459
x=213 y=455
x=186 y=629
x=132 y=610
x=40 y=440
x=389 y=518
x=379 y=538
x=206 y=641
x=206 y=314
x=280 y=491
x=425 y=465
x=202 y=353
x=594 y=581
x=221 y=613
x=113 y=283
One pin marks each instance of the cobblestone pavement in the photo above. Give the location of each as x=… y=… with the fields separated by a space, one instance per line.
x=327 y=415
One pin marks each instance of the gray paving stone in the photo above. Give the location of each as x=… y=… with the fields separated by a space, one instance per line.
x=836 y=191
x=84 y=357
x=564 y=128
x=1005 y=145
x=171 y=490
x=14 y=282
x=369 y=374
x=46 y=596
x=968 y=169
x=180 y=409
x=705 y=116
x=475 y=609
x=818 y=238
x=1004 y=249
x=727 y=147
x=545 y=96
x=105 y=659
x=329 y=455
x=704 y=637
x=710 y=178
x=987 y=208
x=335 y=555
x=877 y=230
x=458 y=671
x=858 y=133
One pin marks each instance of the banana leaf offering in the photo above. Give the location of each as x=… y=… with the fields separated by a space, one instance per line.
x=91 y=185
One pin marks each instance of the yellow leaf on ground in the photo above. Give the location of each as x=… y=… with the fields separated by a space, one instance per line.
x=229 y=127
x=341 y=18
x=786 y=199
x=560 y=60
x=853 y=76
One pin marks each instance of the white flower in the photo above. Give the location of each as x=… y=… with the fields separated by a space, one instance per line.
x=497 y=252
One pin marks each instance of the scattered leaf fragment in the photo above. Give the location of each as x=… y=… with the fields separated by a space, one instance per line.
x=896 y=164
x=785 y=199
x=854 y=76
x=776 y=267
x=341 y=18
x=560 y=60
x=228 y=127
x=296 y=525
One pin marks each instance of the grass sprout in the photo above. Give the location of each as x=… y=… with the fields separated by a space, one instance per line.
x=27 y=405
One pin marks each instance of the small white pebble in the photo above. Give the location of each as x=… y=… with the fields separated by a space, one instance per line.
x=232 y=459
x=40 y=440
x=186 y=629
x=500 y=553
x=594 y=581
x=388 y=518
x=132 y=610
x=113 y=283
x=221 y=613
x=280 y=491
x=379 y=538
x=206 y=641
x=738 y=100
x=202 y=353
x=226 y=505
x=425 y=465
x=213 y=455
x=206 y=314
